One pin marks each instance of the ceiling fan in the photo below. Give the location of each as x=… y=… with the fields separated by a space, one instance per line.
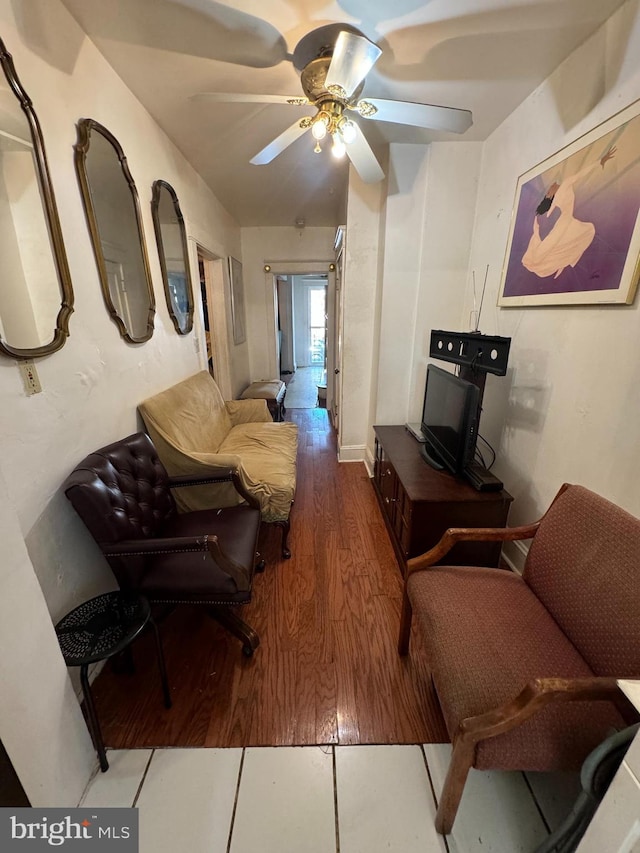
x=333 y=62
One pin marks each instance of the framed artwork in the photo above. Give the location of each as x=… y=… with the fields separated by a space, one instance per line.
x=575 y=230
x=237 y=301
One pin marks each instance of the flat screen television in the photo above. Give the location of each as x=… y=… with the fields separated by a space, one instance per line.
x=449 y=420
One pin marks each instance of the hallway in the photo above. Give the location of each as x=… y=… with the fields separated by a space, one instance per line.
x=327 y=668
x=302 y=387
x=334 y=744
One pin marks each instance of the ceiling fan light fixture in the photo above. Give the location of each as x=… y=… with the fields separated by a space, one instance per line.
x=347 y=130
x=320 y=126
x=339 y=149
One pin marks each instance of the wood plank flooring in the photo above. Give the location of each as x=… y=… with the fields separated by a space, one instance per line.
x=327 y=669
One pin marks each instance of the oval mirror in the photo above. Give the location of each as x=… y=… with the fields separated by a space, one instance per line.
x=171 y=237
x=115 y=224
x=36 y=297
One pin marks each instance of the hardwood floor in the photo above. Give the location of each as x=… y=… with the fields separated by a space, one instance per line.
x=327 y=669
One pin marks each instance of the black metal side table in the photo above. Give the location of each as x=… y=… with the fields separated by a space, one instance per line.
x=99 y=629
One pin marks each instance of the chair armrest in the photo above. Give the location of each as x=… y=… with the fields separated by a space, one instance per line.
x=534 y=696
x=467 y=534
x=248 y=411
x=218 y=475
x=178 y=545
x=158 y=545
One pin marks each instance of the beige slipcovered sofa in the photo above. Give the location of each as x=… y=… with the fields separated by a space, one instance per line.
x=195 y=431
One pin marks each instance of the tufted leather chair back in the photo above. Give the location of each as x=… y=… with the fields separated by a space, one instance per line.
x=121 y=491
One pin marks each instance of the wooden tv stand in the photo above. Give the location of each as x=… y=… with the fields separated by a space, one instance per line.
x=419 y=503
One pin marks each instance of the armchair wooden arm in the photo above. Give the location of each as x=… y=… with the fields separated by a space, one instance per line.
x=478 y=534
x=467 y=534
x=538 y=693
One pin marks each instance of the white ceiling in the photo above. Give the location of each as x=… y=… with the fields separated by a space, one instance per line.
x=482 y=55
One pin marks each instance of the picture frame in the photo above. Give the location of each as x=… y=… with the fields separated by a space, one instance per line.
x=237 y=301
x=574 y=237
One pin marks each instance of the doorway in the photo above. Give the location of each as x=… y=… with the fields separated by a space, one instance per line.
x=211 y=275
x=302 y=330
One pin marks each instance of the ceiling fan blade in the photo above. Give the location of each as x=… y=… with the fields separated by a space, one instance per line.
x=278 y=145
x=242 y=98
x=353 y=57
x=418 y=115
x=364 y=160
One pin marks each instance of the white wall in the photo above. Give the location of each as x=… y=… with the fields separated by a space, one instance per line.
x=92 y=386
x=364 y=247
x=41 y=723
x=449 y=212
x=404 y=226
x=428 y=227
x=419 y=236
x=569 y=407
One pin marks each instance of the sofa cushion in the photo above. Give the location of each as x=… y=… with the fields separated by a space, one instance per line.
x=192 y=414
x=268 y=452
x=583 y=566
x=487 y=635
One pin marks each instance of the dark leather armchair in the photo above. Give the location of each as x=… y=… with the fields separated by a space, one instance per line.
x=122 y=492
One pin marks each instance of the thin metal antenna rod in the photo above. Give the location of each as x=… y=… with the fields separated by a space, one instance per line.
x=486 y=273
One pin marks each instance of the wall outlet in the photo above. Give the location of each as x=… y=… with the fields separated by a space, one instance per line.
x=30 y=378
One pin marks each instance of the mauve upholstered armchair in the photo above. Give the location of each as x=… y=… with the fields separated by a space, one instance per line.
x=525 y=667
x=122 y=492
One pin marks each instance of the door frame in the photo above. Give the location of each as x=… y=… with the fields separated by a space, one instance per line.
x=288 y=268
x=216 y=276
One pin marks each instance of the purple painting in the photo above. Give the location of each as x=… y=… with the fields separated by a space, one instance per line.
x=574 y=236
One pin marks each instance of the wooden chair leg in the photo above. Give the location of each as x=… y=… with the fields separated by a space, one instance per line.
x=405 y=625
x=461 y=762
x=239 y=628
x=286 y=526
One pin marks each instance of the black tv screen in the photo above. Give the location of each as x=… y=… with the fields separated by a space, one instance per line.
x=449 y=419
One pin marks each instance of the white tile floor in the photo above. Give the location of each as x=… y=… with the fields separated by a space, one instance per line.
x=344 y=799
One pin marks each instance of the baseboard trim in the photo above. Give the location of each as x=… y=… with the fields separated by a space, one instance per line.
x=369 y=461
x=515 y=554
x=351 y=453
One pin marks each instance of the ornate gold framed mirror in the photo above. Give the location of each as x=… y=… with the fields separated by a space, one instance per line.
x=36 y=296
x=173 y=249
x=113 y=215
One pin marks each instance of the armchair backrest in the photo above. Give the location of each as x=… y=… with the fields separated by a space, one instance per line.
x=121 y=491
x=189 y=416
x=584 y=565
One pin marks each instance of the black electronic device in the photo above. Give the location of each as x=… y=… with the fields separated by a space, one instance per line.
x=449 y=420
x=481 y=478
x=481 y=353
